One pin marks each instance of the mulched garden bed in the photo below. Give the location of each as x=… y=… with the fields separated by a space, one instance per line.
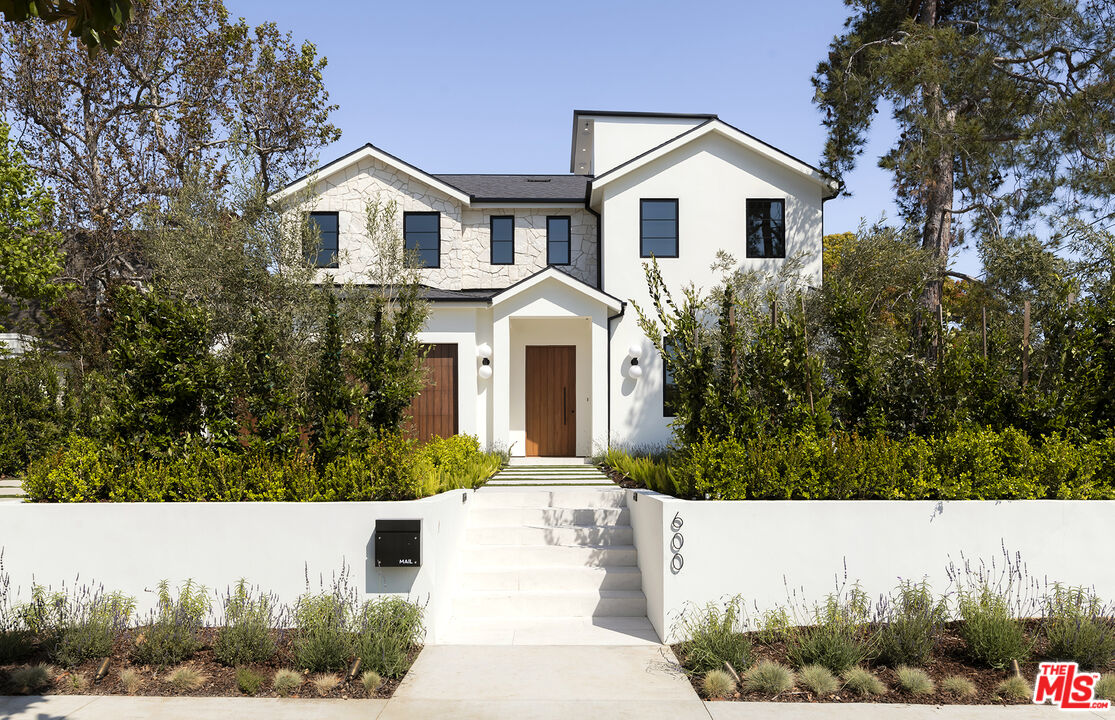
x=220 y=682
x=949 y=658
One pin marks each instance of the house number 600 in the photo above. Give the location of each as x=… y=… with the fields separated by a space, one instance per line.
x=677 y=562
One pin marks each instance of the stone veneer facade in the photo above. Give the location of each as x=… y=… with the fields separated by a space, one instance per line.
x=465 y=250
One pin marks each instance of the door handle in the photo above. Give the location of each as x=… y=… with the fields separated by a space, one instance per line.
x=564 y=412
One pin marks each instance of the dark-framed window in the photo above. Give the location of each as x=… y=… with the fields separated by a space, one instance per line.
x=503 y=239
x=327 y=226
x=766 y=228
x=658 y=227
x=422 y=235
x=670 y=396
x=557 y=240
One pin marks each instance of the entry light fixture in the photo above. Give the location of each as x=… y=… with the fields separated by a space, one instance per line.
x=484 y=350
x=634 y=371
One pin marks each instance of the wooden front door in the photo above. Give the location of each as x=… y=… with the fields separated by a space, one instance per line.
x=551 y=400
x=434 y=410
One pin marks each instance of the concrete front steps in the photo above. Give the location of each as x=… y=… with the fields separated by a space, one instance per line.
x=549 y=565
x=11 y=490
x=578 y=475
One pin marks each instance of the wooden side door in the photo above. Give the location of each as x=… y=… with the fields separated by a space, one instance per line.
x=551 y=399
x=434 y=410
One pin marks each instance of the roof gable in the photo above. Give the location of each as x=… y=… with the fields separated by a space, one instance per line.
x=714 y=125
x=362 y=153
x=552 y=274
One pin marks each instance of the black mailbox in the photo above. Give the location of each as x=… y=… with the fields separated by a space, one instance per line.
x=398 y=543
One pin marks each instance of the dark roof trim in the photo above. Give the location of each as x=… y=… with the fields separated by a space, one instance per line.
x=529 y=201
x=620 y=113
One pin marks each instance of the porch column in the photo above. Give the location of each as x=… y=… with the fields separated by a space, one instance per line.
x=600 y=370
x=501 y=383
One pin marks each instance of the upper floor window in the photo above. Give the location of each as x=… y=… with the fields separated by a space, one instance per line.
x=503 y=239
x=766 y=228
x=326 y=226
x=658 y=228
x=557 y=240
x=422 y=235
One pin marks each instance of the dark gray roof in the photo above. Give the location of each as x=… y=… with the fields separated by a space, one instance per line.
x=520 y=188
x=468 y=295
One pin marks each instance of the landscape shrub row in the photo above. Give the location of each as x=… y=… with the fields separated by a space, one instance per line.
x=328 y=631
x=987 y=629
x=968 y=464
x=389 y=467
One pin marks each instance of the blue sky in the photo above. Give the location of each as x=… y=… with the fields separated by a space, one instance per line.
x=491 y=86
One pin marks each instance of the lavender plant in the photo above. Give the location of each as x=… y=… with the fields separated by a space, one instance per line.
x=991 y=600
x=386 y=630
x=1076 y=626
x=16 y=640
x=246 y=635
x=323 y=641
x=172 y=633
x=90 y=622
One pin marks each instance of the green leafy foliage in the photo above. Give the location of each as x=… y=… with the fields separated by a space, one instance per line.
x=33 y=410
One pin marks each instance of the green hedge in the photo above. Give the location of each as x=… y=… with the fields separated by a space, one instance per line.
x=390 y=468
x=978 y=464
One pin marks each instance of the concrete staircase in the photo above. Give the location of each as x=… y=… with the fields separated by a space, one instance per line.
x=11 y=490
x=549 y=560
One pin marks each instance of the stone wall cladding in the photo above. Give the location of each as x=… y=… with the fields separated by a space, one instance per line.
x=465 y=232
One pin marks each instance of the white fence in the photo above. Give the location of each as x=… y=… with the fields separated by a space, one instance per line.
x=765 y=550
x=131 y=546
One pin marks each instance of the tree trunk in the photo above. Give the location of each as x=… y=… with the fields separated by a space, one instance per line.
x=936 y=234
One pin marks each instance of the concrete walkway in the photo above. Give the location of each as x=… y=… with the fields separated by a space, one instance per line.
x=86 y=707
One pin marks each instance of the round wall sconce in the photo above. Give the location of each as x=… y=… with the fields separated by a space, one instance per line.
x=634 y=371
x=484 y=350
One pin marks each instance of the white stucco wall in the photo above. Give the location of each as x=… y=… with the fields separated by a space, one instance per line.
x=466 y=327
x=465 y=231
x=712 y=178
x=762 y=549
x=616 y=140
x=132 y=546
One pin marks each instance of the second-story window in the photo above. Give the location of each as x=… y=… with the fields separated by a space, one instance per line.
x=766 y=228
x=658 y=228
x=422 y=235
x=557 y=240
x=325 y=225
x=503 y=239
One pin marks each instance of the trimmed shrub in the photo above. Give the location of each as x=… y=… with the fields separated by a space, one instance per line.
x=457 y=462
x=769 y=678
x=1076 y=627
x=718 y=684
x=173 y=632
x=715 y=636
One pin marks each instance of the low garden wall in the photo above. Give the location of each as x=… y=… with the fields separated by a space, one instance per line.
x=131 y=546
x=766 y=550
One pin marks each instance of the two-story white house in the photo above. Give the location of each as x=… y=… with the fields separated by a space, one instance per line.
x=531 y=277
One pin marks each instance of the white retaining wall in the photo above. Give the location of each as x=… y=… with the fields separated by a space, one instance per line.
x=763 y=549
x=131 y=546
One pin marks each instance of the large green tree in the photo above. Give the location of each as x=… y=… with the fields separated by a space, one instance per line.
x=30 y=259
x=1005 y=110
x=188 y=93
x=98 y=23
